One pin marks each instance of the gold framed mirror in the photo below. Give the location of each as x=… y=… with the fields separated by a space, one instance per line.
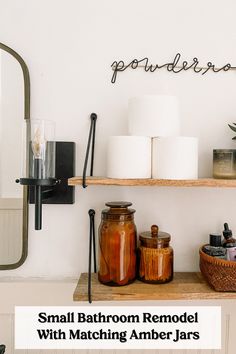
x=14 y=113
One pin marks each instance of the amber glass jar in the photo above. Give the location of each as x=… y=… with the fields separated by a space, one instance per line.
x=117 y=245
x=155 y=257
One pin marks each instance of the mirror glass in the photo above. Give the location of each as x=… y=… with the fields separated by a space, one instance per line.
x=11 y=158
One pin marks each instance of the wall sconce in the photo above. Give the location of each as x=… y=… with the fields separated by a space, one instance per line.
x=51 y=163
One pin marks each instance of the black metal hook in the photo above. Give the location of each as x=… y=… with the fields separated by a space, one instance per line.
x=91 y=137
x=92 y=244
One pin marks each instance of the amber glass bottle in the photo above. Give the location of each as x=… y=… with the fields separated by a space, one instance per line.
x=117 y=245
x=155 y=257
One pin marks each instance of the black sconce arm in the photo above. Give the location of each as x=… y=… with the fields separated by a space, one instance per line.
x=38 y=183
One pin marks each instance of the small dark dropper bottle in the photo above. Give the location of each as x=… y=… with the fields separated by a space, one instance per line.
x=228 y=241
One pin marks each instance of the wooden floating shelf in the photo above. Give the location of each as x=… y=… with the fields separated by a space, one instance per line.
x=185 y=286
x=202 y=182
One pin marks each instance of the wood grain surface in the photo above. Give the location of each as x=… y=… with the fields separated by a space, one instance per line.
x=189 y=286
x=202 y=182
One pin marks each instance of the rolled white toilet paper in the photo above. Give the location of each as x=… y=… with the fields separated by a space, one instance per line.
x=153 y=115
x=129 y=157
x=175 y=158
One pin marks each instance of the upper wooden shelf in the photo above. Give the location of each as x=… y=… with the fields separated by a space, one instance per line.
x=202 y=182
x=184 y=286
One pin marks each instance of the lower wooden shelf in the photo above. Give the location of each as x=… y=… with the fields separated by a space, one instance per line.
x=185 y=286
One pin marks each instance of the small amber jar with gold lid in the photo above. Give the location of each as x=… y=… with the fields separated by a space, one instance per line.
x=117 y=245
x=155 y=256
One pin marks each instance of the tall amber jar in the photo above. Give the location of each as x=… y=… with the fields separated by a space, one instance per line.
x=117 y=245
x=155 y=257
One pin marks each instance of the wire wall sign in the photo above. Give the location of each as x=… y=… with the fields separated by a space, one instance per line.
x=175 y=66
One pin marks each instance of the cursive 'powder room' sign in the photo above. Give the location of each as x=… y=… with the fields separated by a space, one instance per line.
x=175 y=66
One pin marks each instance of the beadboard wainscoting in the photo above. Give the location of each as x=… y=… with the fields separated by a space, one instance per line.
x=37 y=292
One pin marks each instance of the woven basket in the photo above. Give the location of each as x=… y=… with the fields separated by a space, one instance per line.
x=219 y=273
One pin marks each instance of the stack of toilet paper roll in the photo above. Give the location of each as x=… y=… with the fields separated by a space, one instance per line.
x=129 y=157
x=175 y=158
x=154 y=147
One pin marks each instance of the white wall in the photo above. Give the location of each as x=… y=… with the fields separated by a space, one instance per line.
x=69 y=47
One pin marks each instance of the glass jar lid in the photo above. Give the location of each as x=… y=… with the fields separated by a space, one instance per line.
x=118 y=204
x=154 y=238
x=117 y=210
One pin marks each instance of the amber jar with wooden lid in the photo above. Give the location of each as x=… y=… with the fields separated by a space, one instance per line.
x=155 y=256
x=117 y=245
